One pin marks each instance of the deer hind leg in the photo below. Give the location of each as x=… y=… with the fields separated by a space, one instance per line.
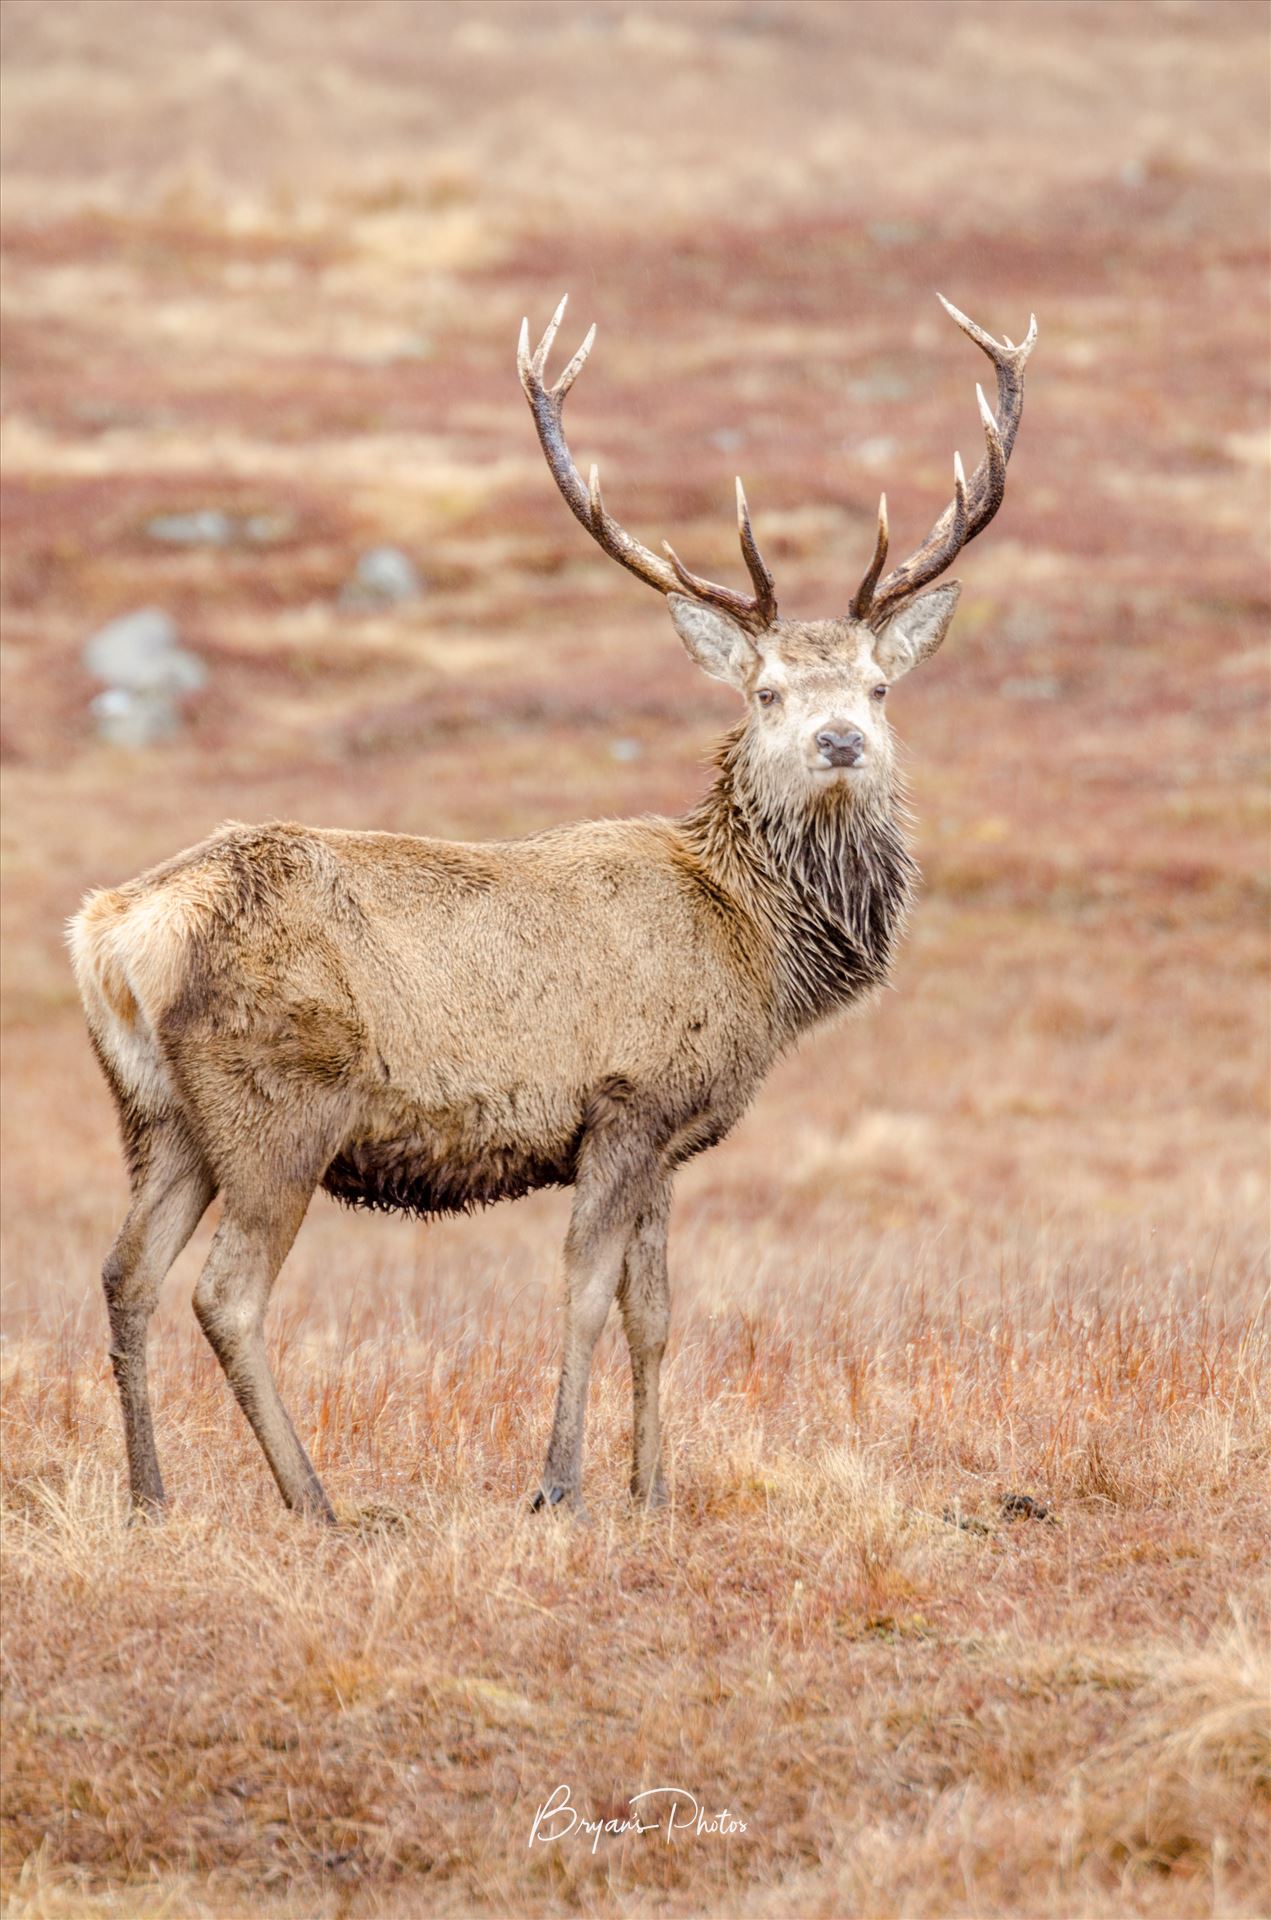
x=616 y=1177
x=172 y=1190
x=251 y=1243
x=645 y=1301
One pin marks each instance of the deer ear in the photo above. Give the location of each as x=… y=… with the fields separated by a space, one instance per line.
x=715 y=642
x=916 y=631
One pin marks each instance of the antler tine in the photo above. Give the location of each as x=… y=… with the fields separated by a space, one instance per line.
x=739 y=606
x=977 y=501
x=566 y=379
x=1008 y=363
x=584 y=502
x=760 y=578
x=755 y=614
x=992 y=469
x=587 y=505
x=545 y=345
x=864 y=594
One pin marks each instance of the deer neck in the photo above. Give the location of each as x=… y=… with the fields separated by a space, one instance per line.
x=828 y=884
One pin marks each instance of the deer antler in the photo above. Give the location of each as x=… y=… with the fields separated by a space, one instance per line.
x=974 y=504
x=754 y=613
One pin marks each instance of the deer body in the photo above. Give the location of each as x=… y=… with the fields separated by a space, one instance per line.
x=419 y=1025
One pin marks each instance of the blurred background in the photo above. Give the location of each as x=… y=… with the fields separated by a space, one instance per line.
x=264 y=268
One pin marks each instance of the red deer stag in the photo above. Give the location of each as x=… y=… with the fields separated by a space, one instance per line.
x=432 y=1026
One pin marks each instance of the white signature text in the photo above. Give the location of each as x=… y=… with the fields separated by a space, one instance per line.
x=671 y=1810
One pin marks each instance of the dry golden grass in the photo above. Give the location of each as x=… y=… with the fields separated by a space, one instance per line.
x=1005 y=1234
x=909 y=1714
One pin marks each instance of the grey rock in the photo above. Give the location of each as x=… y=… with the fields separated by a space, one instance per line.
x=134 y=719
x=390 y=573
x=209 y=527
x=384 y=577
x=145 y=671
x=133 y=650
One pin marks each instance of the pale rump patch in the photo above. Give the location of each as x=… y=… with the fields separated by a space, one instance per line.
x=127 y=949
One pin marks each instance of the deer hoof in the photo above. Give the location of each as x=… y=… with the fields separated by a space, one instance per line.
x=547 y=1497
x=568 y=1499
x=147 y=1510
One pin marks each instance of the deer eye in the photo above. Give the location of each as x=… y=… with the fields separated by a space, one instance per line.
x=767 y=696
x=879 y=693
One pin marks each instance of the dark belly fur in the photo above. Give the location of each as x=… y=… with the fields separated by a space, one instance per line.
x=401 y=1176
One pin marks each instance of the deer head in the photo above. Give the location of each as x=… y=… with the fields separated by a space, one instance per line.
x=815 y=690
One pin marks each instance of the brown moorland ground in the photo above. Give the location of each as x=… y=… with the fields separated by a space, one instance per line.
x=1004 y=1234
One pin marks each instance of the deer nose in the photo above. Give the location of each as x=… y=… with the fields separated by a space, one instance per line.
x=841 y=749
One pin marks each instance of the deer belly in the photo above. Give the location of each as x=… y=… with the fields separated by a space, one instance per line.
x=423 y=1174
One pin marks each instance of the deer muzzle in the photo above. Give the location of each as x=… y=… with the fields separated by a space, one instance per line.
x=840 y=749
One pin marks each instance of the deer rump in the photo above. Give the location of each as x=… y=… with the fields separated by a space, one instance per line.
x=264 y=976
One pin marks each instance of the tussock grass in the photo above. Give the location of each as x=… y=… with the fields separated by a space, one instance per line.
x=915 y=1703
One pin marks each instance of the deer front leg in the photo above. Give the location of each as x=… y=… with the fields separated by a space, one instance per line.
x=612 y=1192
x=644 y=1295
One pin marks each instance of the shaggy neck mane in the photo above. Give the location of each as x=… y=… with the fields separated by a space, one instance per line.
x=828 y=881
